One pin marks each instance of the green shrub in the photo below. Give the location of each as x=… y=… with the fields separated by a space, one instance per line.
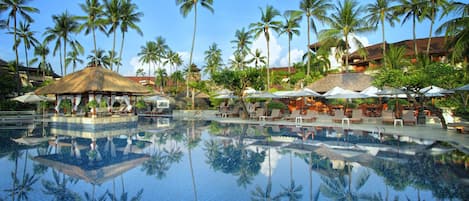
x=277 y=105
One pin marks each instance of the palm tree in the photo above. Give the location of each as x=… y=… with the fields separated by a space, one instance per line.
x=93 y=19
x=239 y=61
x=396 y=58
x=185 y=8
x=112 y=14
x=243 y=41
x=173 y=59
x=13 y=8
x=98 y=59
x=291 y=27
x=433 y=9
x=42 y=51
x=267 y=22
x=257 y=58
x=73 y=58
x=213 y=60
x=161 y=49
x=313 y=9
x=27 y=37
x=414 y=9
x=65 y=24
x=458 y=30
x=343 y=21
x=112 y=59
x=161 y=77
x=379 y=12
x=140 y=72
x=148 y=54
x=129 y=18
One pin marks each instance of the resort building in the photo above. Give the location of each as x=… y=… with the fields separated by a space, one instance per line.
x=30 y=76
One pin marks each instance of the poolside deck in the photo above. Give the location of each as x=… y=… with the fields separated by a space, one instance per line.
x=430 y=131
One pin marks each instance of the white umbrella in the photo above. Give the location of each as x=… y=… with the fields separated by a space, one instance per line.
x=391 y=92
x=463 y=88
x=262 y=95
x=30 y=97
x=334 y=91
x=433 y=91
x=370 y=91
x=225 y=96
x=348 y=94
x=154 y=98
x=297 y=93
x=224 y=92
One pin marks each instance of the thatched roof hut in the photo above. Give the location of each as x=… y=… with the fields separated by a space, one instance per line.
x=93 y=79
x=351 y=81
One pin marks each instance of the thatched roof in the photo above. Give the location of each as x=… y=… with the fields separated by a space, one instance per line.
x=93 y=79
x=351 y=81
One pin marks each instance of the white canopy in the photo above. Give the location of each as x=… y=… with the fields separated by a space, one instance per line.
x=30 y=97
x=347 y=94
x=370 y=91
x=303 y=92
x=433 y=91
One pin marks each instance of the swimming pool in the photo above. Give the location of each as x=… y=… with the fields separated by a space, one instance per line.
x=164 y=159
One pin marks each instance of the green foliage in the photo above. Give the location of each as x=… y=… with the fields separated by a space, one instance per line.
x=277 y=105
x=140 y=104
x=92 y=104
x=400 y=102
x=238 y=80
x=66 y=105
x=103 y=103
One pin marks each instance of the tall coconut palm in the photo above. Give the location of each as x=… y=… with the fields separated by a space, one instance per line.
x=15 y=8
x=213 y=60
x=345 y=20
x=291 y=27
x=113 y=18
x=93 y=19
x=148 y=55
x=161 y=49
x=173 y=59
x=98 y=58
x=239 y=61
x=42 y=51
x=313 y=10
x=266 y=23
x=112 y=58
x=27 y=37
x=129 y=18
x=432 y=11
x=380 y=12
x=457 y=30
x=161 y=76
x=412 y=9
x=243 y=41
x=258 y=58
x=185 y=8
x=73 y=58
x=65 y=25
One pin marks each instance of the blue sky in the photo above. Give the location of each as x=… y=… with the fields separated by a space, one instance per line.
x=162 y=18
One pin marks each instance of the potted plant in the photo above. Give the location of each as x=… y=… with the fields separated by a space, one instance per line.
x=93 y=104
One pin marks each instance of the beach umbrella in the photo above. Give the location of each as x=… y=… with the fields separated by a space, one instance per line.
x=154 y=99
x=433 y=91
x=30 y=97
x=303 y=92
x=370 y=91
x=463 y=88
x=262 y=95
x=225 y=96
x=334 y=91
x=224 y=92
x=347 y=94
x=392 y=92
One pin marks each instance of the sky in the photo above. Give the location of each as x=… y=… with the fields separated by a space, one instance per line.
x=162 y=18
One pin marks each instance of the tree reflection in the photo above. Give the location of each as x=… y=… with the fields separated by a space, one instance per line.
x=21 y=187
x=58 y=188
x=125 y=197
x=340 y=188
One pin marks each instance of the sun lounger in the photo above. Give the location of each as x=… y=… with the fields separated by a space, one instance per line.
x=310 y=116
x=387 y=117
x=357 y=116
x=234 y=112
x=276 y=114
x=259 y=112
x=294 y=114
x=408 y=117
x=338 y=116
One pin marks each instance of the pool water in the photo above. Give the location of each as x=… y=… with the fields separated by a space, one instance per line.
x=167 y=159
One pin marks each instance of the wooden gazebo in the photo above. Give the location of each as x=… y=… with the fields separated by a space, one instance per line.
x=93 y=83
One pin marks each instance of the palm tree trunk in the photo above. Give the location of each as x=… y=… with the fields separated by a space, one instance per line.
x=94 y=43
x=61 y=64
x=17 y=71
x=65 y=53
x=414 y=37
x=431 y=26
x=122 y=48
x=346 y=53
x=268 y=64
x=27 y=62
x=308 y=67
x=192 y=51
x=384 y=42
x=113 y=49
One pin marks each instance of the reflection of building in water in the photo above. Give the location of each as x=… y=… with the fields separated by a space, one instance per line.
x=94 y=157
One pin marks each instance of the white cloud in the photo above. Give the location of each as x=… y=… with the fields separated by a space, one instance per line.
x=296 y=55
x=275 y=48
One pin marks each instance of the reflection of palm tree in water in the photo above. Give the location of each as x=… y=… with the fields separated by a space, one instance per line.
x=260 y=194
x=192 y=142
x=58 y=188
x=23 y=187
x=340 y=188
x=292 y=192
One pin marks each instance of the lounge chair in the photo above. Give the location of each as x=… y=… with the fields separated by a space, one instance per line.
x=259 y=112
x=274 y=115
x=357 y=116
x=338 y=116
x=310 y=116
x=294 y=114
x=387 y=117
x=234 y=112
x=408 y=117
